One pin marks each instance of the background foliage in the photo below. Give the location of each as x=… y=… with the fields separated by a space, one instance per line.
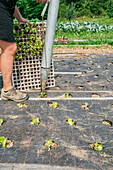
x=69 y=9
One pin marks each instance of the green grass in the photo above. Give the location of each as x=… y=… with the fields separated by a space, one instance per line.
x=82 y=46
x=100 y=20
x=85 y=35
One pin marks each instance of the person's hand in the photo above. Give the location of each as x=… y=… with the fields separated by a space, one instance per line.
x=41 y=1
x=25 y=21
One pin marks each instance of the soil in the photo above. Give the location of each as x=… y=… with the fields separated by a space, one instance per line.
x=92 y=50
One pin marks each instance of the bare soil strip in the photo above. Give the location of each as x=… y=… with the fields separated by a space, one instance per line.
x=80 y=50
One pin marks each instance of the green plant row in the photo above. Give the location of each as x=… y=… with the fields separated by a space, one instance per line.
x=75 y=26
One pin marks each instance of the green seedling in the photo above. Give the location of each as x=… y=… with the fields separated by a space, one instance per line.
x=19 y=56
x=71 y=122
x=97 y=146
x=43 y=94
x=48 y=144
x=67 y=95
x=3 y=141
x=1 y=122
x=35 y=121
x=55 y=105
x=86 y=104
x=22 y=105
x=107 y=122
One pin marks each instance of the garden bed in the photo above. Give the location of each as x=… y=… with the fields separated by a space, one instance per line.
x=72 y=126
x=85 y=49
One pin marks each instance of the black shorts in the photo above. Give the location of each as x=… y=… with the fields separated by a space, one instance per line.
x=6 y=22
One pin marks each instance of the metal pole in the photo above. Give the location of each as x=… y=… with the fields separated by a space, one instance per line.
x=49 y=40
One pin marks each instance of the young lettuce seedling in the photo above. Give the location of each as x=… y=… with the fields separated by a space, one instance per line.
x=67 y=95
x=43 y=94
x=107 y=122
x=71 y=122
x=22 y=105
x=3 y=141
x=1 y=122
x=55 y=104
x=19 y=105
x=35 y=121
x=49 y=144
x=97 y=146
x=86 y=104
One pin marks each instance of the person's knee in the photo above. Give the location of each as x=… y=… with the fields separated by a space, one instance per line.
x=14 y=48
x=11 y=49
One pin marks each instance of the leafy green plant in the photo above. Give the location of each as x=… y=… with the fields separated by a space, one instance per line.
x=1 y=122
x=98 y=147
x=19 y=56
x=49 y=144
x=110 y=9
x=107 y=122
x=71 y=122
x=67 y=95
x=86 y=104
x=35 y=121
x=43 y=94
x=70 y=12
x=20 y=105
x=55 y=104
x=3 y=141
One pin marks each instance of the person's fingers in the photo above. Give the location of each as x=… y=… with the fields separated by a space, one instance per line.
x=26 y=21
x=41 y=1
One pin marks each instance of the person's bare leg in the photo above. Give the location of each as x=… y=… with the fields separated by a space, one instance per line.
x=6 y=63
